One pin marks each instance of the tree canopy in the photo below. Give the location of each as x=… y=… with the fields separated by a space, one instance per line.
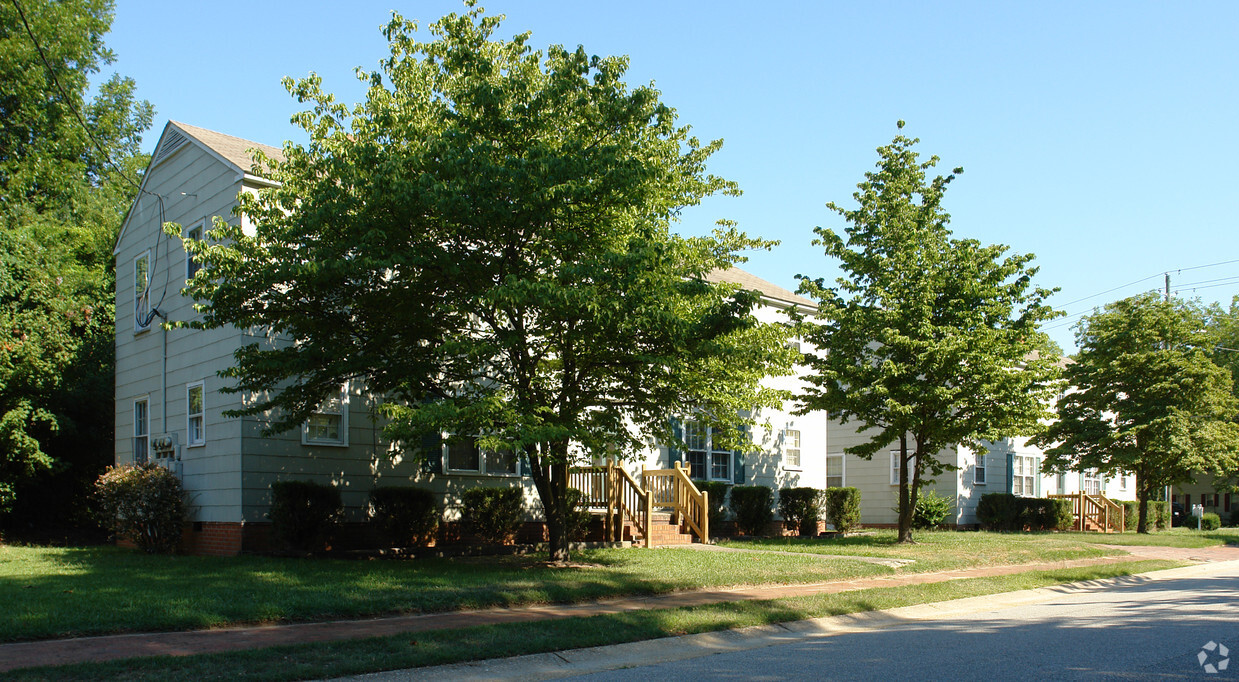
x=485 y=242
x=925 y=338
x=1146 y=398
x=63 y=193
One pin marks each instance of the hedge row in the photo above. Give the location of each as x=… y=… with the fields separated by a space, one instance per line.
x=1159 y=515
x=1005 y=511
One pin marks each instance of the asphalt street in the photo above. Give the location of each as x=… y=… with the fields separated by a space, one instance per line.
x=1140 y=630
x=1151 y=627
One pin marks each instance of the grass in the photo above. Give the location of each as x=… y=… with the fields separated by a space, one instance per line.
x=59 y=592
x=941 y=550
x=449 y=646
x=1175 y=537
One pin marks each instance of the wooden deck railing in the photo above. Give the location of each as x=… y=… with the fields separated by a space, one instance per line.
x=673 y=489
x=611 y=488
x=1106 y=514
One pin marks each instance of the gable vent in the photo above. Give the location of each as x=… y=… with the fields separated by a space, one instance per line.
x=174 y=141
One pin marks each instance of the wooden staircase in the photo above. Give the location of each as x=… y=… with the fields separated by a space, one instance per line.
x=664 y=509
x=1095 y=513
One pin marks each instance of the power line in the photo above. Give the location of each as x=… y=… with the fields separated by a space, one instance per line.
x=107 y=157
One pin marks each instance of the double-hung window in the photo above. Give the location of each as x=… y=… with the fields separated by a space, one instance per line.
x=464 y=455
x=195 y=415
x=142 y=292
x=141 y=430
x=192 y=266
x=328 y=425
x=834 y=471
x=978 y=473
x=791 y=448
x=1090 y=482
x=1024 y=476
x=895 y=467
x=705 y=459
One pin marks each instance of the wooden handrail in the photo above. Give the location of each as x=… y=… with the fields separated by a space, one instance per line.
x=672 y=488
x=612 y=488
x=1107 y=514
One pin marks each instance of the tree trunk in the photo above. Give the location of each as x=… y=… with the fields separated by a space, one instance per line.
x=557 y=530
x=906 y=502
x=1142 y=526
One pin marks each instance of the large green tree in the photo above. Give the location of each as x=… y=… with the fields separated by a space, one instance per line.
x=485 y=242
x=926 y=341
x=67 y=165
x=1146 y=398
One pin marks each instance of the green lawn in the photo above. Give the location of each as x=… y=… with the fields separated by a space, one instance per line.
x=1175 y=537
x=331 y=659
x=56 y=592
x=942 y=550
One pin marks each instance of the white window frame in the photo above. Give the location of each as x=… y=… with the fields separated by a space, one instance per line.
x=980 y=473
x=142 y=294
x=895 y=467
x=1027 y=469
x=191 y=417
x=342 y=441
x=1086 y=477
x=843 y=470
x=791 y=444
x=483 y=468
x=192 y=266
x=142 y=429
x=708 y=452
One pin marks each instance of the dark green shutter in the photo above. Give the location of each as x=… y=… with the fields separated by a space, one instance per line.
x=1010 y=472
x=673 y=452
x=432 y=453
x=737 y=468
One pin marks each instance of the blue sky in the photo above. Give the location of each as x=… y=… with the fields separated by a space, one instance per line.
x=1100 y=136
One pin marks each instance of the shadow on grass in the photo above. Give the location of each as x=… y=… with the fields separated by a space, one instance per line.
x=67 y=592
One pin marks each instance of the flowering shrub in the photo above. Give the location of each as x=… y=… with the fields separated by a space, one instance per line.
x=142 y=503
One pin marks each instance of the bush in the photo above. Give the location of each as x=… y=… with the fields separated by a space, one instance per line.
x=578 y=517
x=999 y=511
x=1159 y=511
x=932 y=510
x=493 y=514
x=717 y=490
x=751 y=505
x=303 y=514
x=800 y=509
x=1210 y=521
x=1234 y=517
x=1063 y=515
x=144 y=504
x=842 y=508
x=1131 y=515
x=404 y=516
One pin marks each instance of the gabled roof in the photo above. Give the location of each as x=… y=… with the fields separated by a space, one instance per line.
x=751 y=282
x=232 y=150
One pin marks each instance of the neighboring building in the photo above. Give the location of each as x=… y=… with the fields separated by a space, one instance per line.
x=169 y=404
x=1205 y=492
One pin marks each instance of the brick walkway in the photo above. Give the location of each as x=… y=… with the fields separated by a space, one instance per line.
x=110 y=647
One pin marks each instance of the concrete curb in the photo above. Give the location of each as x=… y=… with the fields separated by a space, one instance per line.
x=632 y=654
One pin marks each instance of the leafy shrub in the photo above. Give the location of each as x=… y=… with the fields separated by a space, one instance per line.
x=493 y=514
x=405 y=516
x=801 y=509
x=1159 y=511
x=1063 y=515
x=578 y=517
x=1210 y=521
x=751 y=505
x=842 y=506
x=999 y=511
x=303 y=514
x=932 y=510
x=144 y=504
x=1234 y=518
x=717 y=491
x=1131 y=514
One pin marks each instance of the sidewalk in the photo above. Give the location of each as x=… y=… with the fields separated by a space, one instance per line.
x=110 y=647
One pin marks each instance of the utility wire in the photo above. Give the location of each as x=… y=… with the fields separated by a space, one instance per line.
x=68 y=102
